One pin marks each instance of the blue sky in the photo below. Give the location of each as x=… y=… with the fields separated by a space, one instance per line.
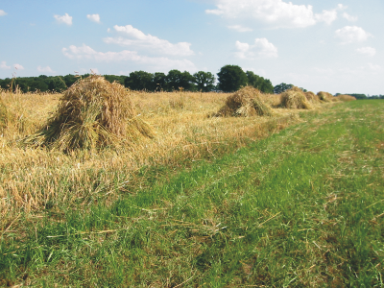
x=335 y=46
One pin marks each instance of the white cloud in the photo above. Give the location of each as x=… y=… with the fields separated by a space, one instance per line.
x=327 y=16
x=2 y=13
x=350 y=34
x=137 y=39
x=369 y=51
x=240 y=28
x=46 y=69
x=86 y=52
x=66 y=19
x=349 y=17
x=262 y=48
x=274 y=12
x=94 y=17
x=3 y=65
x=18 y=67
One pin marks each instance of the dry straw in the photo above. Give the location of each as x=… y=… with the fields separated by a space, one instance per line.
x=3 y=116
x=295 y=98
x=92 y=113
x=312 y=97
x=246 y=102
x=345 y=98
x=326 y=97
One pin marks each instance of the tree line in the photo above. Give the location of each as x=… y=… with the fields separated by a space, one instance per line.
x=363 y=96
x=229 y=79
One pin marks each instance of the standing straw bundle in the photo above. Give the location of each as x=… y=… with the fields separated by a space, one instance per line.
x=92 y=113
x=246 y=102
x=295 y=98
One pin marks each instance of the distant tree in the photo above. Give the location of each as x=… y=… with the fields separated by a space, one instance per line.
x=69 y=80
x=267 y=86
x=204 y=81
x=56 y=84
x=160 y=81
x=281 y=88
x=231 y=78
x=113 y=78
x=264 y=85
x=173 y=79
x=187 y=81
x=5 y=83
x=358 y=96
x=139 y=80
x=177 y=80
x=39 y=84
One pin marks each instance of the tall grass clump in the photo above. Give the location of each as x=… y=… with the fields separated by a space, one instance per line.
x=295 y=98
x=3 y=116
x=246 y=102
x=92 y=113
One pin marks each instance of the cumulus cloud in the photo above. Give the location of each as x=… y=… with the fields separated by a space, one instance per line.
x=261 y=47
x=274 y=12
x=18 y=67
x=46 y=69
x=86 y=52
x=137 y=39
x=240 y=28
x=350 y=34
x=66 y=19
x=3 y=65
x=349 y=17
x=94 y=17
x=327 y=16
x=369 y=51
x=2 y=13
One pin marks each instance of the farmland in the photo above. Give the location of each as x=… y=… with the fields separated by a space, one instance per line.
x=288 y=200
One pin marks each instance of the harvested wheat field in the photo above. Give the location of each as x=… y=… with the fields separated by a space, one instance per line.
x=41 y=146
x=242 y=200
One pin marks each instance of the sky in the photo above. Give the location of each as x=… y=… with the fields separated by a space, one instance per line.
x=333 y=46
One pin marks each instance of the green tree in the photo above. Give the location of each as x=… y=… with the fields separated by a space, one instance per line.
x=160 y=81
x=264 y=85
x=139 y=80
x=56 y=84
x=69 y=80
x=231 y=78
x=113 y=78
x=177 y=80
x=39 y=84
x=281 y=88
x=204 y=81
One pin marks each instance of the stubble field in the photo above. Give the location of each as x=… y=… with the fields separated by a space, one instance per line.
x=290 y=200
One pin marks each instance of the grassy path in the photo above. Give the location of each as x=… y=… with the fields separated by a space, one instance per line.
x=303 y=208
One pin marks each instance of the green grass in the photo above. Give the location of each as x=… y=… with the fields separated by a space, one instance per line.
x=302 y=208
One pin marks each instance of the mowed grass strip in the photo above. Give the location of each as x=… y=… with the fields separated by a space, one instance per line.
x=302 y=208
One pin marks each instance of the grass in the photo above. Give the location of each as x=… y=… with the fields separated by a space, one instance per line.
x=301 y=208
